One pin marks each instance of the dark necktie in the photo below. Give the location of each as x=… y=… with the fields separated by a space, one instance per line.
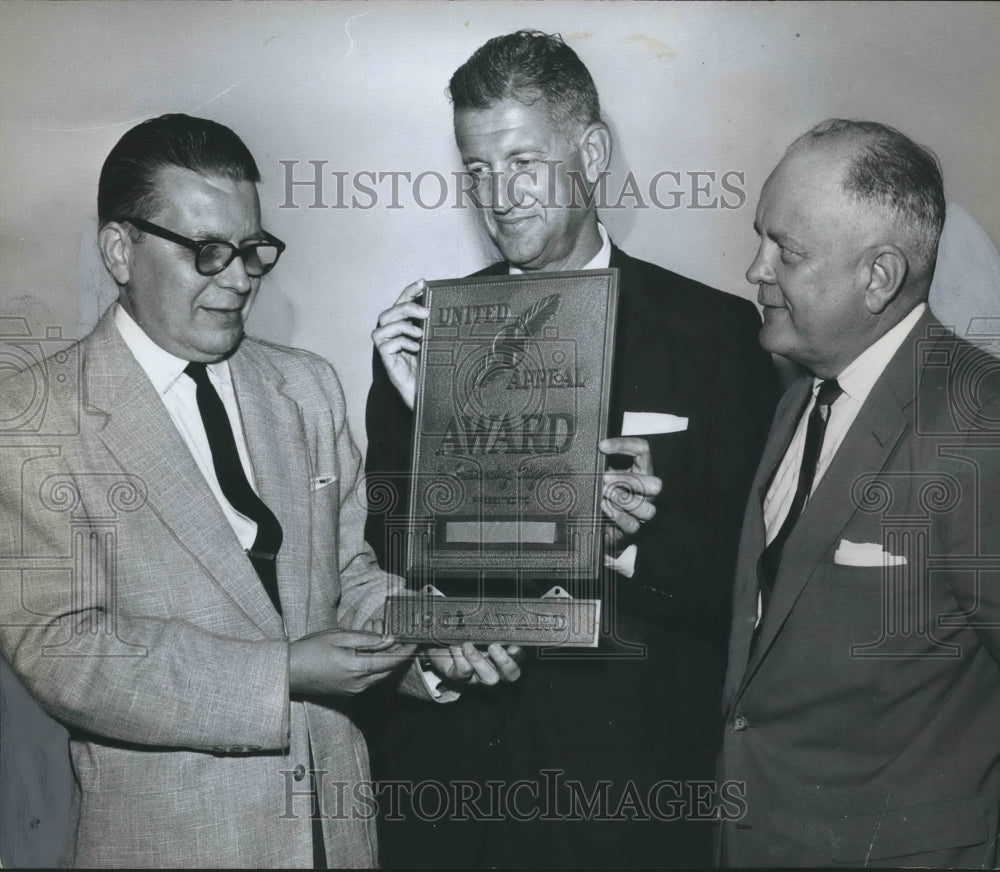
x=234 y=484
x=767 y=568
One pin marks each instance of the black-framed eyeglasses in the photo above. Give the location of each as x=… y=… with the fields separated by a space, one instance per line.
x=212 y=256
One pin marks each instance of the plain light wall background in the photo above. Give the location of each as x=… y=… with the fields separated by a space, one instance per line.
x=685 y=88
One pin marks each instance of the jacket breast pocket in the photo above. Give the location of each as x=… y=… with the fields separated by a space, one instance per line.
x=325 y=498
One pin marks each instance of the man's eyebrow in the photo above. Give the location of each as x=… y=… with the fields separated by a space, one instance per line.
x=524 y=149
x=514 y=151
x=215 y=236
x=783 y=239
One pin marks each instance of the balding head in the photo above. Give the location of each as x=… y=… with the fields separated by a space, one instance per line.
x=895 y=180
x=849 y=222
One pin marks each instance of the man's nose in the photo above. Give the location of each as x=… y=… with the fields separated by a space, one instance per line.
x=760 y=271
x=500 y=193
x=235 y=276
x=510 y=190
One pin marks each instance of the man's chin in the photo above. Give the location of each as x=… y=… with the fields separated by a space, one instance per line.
x=522 y=253
x=774 y=338
x=221 y=344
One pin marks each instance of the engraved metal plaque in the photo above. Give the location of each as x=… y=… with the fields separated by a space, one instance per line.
x=512 y=400
x=550 y=620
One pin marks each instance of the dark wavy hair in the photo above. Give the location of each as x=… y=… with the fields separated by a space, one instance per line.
x=528 y=65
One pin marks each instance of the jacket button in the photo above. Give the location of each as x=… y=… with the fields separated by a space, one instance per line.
x=740 y=723
x=299 y=772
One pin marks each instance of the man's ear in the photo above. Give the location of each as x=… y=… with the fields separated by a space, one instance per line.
x=116 y=250
x=595 y=151
x=887 y=275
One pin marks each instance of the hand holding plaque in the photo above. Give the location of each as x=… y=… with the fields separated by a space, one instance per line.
x=397 y=339
x=466 y=664
x=627 y=495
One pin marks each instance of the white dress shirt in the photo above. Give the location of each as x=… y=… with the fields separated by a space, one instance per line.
x=177 y=392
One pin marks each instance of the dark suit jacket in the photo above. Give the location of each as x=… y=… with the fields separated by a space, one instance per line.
x=645 y=704
x=864 y=724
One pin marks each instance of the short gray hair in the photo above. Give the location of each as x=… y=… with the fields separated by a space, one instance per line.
x=890 y=171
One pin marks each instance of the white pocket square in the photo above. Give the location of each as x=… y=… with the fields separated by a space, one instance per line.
x=322 y=481
x=864 y=554
x=650 y=423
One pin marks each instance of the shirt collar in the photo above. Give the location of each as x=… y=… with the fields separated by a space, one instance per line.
x=601 y=260
x=162 y=368
x=860 y=375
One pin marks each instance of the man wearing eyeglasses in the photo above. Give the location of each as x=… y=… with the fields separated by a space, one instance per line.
x=186 y=587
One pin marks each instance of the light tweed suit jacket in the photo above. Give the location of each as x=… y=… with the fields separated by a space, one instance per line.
x=129 y=609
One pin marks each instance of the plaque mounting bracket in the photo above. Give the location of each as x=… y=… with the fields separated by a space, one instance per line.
x=556 y=593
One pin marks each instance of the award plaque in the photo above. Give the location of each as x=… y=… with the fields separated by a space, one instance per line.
x=512 y=400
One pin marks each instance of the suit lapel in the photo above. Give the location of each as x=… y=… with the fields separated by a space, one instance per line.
x=753 y=538
x=628 y=287
x=276 y=444
x=141 y=437
x=866 y=448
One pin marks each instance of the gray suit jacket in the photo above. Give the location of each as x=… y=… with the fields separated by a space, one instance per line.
x=863 y=728
x=131 y=612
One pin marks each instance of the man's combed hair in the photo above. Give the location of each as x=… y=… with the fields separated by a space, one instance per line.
x=528 y=65
x=127 y=188
x=891 y=171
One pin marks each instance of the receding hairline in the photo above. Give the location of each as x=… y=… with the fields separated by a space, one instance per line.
x=847 y=147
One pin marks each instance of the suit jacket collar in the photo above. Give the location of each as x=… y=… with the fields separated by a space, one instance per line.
x=877 y=429
x=619 y=259
x=139 y=433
